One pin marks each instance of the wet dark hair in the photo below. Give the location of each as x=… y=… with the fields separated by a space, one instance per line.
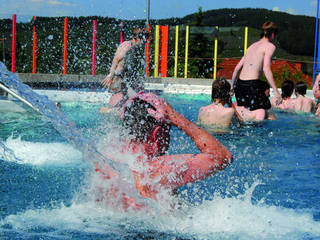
x=221 y=90
x=301 y=88
x=287 y=88
x=267 y=29
x=140 y=123
x=140 y=33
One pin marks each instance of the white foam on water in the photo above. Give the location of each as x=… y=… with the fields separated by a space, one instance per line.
x=220 y=218
x=38 y=153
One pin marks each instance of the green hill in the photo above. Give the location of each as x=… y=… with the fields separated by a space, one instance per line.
x=295 y=40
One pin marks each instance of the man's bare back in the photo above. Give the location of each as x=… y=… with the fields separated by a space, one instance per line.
x=258 y=53
x=258 y=58
x=304 y=104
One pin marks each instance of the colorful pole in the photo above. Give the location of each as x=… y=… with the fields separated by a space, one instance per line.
x=148 y=51
x=186 y=53
x=176 y=53
x=245 y=40
x=215 y=57
x=34 y=48
x=121 y=32
x=156 y=52
x=164 y=50
x=316 y=47
x=94 y=47
x=65 y=45
x=13 y=49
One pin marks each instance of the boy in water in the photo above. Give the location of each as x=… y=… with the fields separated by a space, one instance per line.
x=287 y=103
x=246 y=115
x=302 y=103
x=217 y=116
x=148 y=119
x=246 y=81
x=126 y=73
x=316 y=94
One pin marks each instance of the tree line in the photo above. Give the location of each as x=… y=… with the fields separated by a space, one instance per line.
x=295 y=39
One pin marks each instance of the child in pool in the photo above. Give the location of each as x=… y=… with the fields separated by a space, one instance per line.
x=149 y=119
x=217 y=115
x=302 y=103
x=287 y=103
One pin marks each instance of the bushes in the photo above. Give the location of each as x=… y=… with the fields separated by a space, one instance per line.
x=283 y=73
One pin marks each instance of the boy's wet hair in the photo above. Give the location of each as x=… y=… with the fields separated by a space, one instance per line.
x=267 y=29
x=221 y=90
x=287 y=88
x=140 y=33
x=301 y=88
x=139 y=122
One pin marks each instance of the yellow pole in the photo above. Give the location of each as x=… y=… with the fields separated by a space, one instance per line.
x=176 y=53
x=215 y=56
x=156 y=52
x=245 y=40
x=186 y=53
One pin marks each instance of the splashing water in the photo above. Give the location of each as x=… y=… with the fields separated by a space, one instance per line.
x=68 y=130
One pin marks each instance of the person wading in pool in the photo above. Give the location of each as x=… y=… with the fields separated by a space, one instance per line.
x=303 y=103
x=245 y=115
x=287 y=103
x=246 y=82
x=217 y=116
x=316 y=94
x=148 y=119
x=126 y=73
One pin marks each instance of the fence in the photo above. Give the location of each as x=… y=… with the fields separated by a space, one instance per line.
x=166 y=60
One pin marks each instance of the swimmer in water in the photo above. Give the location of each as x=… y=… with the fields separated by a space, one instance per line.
x=125 y=76
x=245 y=115
x=246 y=83
x=316 y=94
x=148 y=119
x=287 y=103
x=303 y=103
x=218 y=115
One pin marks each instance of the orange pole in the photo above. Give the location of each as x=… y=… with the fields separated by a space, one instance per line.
x=65 y=45
x=164 y=50
x=34 y=48
x=148 y=52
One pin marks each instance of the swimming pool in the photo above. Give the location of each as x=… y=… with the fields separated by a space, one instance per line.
x=271 y=191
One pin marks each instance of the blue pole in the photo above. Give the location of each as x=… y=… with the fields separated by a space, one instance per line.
x=316 y=40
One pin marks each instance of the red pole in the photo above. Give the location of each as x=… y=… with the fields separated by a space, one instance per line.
x=94 y=47
x=13 y=50
x=164 y=50
x=65 y=45
x=148 y=52
x=121 y=32
x=34 y=48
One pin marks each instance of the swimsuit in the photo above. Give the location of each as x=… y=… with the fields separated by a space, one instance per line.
x=251 y=94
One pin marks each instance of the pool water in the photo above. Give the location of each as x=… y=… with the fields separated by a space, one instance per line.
x=271 y=191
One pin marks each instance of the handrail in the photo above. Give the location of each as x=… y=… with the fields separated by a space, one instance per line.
x=18 y=97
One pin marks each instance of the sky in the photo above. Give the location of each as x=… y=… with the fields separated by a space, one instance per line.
x=136 y=9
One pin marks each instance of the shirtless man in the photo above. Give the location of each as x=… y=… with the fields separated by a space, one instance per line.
x=287 y=103
x=302 y=103
x=316 y=94
x=216 y=116
x=148 y=119
x=125 y=72
x=246 y=81
x=245 y=115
